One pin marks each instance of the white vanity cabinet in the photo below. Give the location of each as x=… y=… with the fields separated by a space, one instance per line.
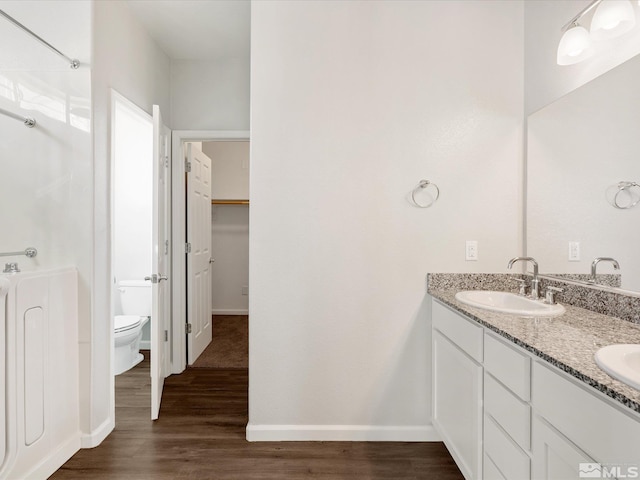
x=506 y=414
x=457 y=380
x=573 y=425
x=556 y=457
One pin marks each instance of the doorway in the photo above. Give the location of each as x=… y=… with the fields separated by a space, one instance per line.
x=140 y=251
x=180 y=300
x=131 y=242
x=229 y=225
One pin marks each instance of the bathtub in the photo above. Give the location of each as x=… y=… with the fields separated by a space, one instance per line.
x=39 y=396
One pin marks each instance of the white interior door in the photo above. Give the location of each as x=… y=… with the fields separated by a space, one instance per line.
x=161 y=260
x=199 y=254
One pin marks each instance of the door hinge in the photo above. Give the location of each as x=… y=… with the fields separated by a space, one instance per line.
x=166 y=162
x=166 y=247
x=187 y=166
x=187 y=247
x=188 y=328
x=166 y=335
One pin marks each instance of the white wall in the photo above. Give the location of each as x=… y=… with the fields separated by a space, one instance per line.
x=132 y=196
x=229 y=169
x=210 y=95
x=229 y=226
x=127 y=59
x=46 y=173
x=545 y=81
x=230 y=248
x=352 y=104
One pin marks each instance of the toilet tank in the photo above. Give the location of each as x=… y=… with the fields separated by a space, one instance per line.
x=135 y=296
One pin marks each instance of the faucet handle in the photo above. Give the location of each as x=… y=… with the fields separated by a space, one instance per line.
x=550 y=296
x=523 y=285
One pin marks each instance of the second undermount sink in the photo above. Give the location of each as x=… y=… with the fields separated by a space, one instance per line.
x=506 y=302
x=622 y=362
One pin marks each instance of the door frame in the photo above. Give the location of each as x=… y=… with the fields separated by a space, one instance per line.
x=178 y=225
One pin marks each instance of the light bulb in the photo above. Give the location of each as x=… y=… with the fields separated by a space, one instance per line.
x=612 y=18
x=574 y=46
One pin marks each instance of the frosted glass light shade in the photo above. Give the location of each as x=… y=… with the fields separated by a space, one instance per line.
x=575 y=46
x=612 y=18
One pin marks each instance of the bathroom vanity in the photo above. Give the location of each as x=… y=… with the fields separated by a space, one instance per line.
x=519 y=398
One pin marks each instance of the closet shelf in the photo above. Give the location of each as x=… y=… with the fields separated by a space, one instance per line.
x=229 y=202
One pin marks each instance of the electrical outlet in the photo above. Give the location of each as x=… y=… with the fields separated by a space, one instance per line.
x=574 y=251
x=471 y=250
x=245 y=290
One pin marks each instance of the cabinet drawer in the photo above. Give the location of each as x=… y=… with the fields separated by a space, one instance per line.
x=607 y=433
x=509 y=459
x=510 y=366
x=462 y=332
x=511 y=413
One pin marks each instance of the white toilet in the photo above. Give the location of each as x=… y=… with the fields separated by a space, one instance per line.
x=135 y=296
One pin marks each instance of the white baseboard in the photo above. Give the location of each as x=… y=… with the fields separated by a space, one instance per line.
x=95 y=438
x=145 y=344
x=341 y=433
x=221 y=311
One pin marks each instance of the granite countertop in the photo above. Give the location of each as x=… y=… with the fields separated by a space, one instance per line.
x=568 y=342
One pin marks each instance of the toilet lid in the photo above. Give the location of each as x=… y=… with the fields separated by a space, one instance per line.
x=125 y=322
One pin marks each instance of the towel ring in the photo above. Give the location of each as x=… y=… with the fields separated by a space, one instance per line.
x=423 y=185
x=622 y=186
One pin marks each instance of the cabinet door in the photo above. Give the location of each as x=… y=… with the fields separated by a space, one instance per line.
x=555 y=457
x=490 y=471
x=457 y=404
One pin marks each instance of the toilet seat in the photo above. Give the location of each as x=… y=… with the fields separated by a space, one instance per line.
x=122 y=323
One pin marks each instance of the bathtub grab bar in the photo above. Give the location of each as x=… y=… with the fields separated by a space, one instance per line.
x=28 y=121
x=29 y=252
x=74 y=63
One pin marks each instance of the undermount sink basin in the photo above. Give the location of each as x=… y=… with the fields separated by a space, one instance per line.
x=622 y=362
x=506 y=302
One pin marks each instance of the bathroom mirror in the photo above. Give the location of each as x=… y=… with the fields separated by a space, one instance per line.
x=579 y=148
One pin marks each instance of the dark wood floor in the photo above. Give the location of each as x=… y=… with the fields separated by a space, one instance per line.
x=201 y=435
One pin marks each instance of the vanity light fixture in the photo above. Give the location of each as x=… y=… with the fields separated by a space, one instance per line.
x=575 y=45
x=611 y=19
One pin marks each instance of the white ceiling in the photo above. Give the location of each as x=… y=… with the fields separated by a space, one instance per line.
x=197 y=29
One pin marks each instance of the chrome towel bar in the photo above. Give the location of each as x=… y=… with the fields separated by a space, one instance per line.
x=28 y=121
x=74 y=63
x=29 y=252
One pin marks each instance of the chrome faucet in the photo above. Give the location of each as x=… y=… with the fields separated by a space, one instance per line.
x=595 y=262
x=535 y=283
